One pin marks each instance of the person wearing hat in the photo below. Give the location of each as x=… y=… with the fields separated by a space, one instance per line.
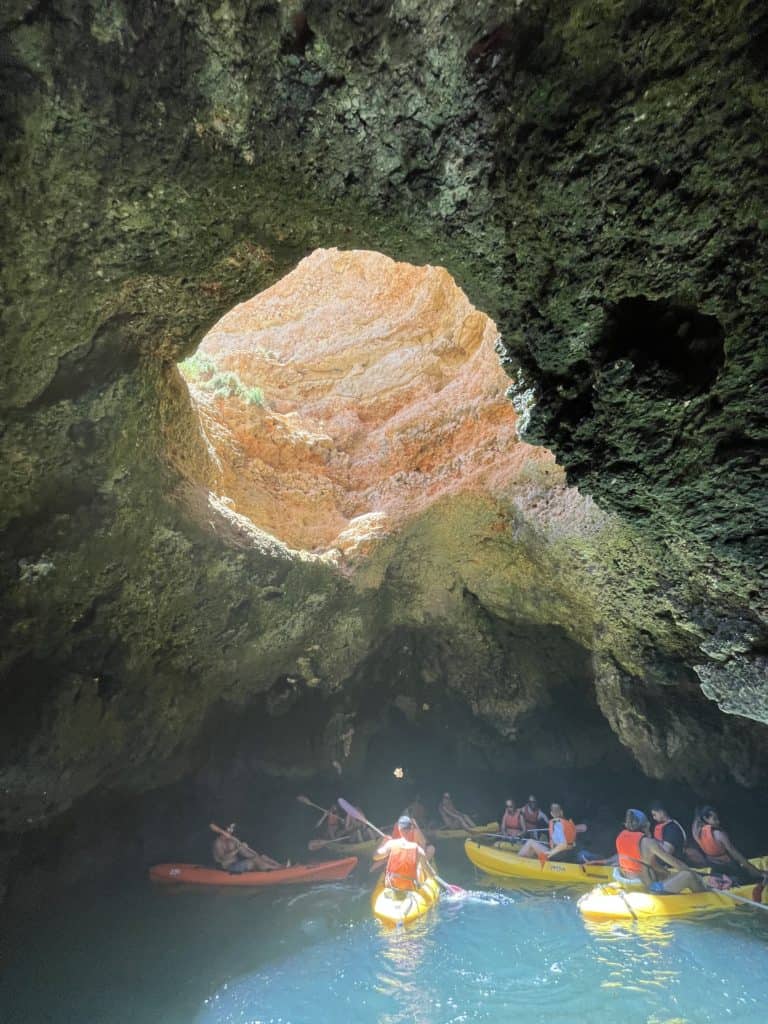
x=406 y=859
x=638 y=851
x=236 y=857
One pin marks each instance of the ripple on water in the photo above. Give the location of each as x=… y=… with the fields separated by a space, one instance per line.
x=525 y=958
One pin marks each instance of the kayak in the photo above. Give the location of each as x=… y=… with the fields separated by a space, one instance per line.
x=462 y=833
x=395 y=909
x=504 y=863
x=349 y=848
x=617 y=903
x=197 y=874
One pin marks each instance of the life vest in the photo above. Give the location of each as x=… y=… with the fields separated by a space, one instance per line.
x=511 y=822
x=569 y=830
x=712 y=847
x=658 y=830
x=530 y=817
x=402 y=867
x=628 y=848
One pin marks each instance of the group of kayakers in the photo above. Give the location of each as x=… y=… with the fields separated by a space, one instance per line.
x=655 y=851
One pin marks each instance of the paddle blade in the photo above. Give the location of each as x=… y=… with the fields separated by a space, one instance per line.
x=304 y=800
x=350 y=810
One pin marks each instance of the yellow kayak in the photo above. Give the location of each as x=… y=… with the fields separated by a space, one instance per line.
x=618 y=903
x=395 y=909
x=462 y=833
x=501 y=861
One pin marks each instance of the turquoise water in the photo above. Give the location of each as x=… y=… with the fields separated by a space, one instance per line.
x=299 y=956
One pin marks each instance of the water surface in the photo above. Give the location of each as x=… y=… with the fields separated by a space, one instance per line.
x=297 y=956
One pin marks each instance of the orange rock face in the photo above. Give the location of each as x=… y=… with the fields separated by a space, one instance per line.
x=382 y=393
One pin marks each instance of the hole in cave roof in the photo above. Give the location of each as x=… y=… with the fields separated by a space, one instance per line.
x=350 y=396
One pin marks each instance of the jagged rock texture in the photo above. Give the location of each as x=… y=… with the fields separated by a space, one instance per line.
x=591 y=174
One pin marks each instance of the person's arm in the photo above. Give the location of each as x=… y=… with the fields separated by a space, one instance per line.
x=654 y=847
x=731 y=850
x=384 y=850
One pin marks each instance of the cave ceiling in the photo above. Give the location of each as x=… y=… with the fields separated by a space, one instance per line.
x=593 y=178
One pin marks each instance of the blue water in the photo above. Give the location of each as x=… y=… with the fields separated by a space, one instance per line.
x=300 y=956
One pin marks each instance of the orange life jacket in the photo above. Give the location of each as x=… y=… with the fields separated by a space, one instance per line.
x=658 y=829
x=712 y=847
x=511 y=821
x=402 y=867
x=569 y=830
x=531 y=818
x=628 y=848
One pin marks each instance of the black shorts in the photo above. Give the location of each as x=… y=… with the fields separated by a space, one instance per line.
x=566 y=856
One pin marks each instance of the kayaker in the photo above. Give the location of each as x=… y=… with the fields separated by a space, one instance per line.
x=451 y=816
x=358 y=833
x=562 y=839
x=417 y=837
x=330 y=822
x=236 y=857
x=638 y=852
x=417 y=810
x=534 y=819
x=719 y=852
x=511 y=820
x=406 y=859
x=667 y=830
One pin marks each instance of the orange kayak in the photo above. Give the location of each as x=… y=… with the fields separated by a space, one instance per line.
x=197 y=874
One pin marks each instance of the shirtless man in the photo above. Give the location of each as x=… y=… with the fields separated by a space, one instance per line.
x=453 y=818
x=235 y=857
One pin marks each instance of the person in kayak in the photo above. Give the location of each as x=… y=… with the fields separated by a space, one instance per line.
x=638 y=853
x=331 y=822
x=511 y=820
x=357 y=832
x=562 y=839
x=451 y=816
x=417 y=837
x=406 y=859
x=235 y=857
x=719 y=852
x=417 y=811
x=534 y=819
x=667 y=831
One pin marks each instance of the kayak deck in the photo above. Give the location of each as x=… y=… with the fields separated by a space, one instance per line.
x=198 y=874
x=396 y=910
x=504 y=863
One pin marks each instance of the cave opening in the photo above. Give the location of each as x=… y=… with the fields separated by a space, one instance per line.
x=348 y=397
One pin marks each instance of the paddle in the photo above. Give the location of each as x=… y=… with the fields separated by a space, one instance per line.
x=319 y=844
x=240 y=844
x=308 y=802
x=738 y=898
x=359 y=816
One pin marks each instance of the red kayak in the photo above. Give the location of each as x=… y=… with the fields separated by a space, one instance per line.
x=196 y=874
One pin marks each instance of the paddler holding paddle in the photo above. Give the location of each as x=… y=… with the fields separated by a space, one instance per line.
x=237 y=857
x=407 y=865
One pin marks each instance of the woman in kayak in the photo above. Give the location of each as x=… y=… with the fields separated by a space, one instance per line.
x=511 y=820
x=720 y=853
x=236 y=857
x=451 y=816
x=562 y=839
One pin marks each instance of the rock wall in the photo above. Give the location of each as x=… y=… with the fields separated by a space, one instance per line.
x=593 y=177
